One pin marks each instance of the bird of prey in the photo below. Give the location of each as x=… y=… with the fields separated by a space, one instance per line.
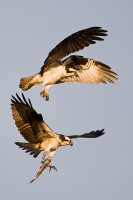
x=39 y=135
x=73 y=68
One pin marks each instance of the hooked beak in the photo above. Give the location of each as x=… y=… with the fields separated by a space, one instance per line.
x=71 y=143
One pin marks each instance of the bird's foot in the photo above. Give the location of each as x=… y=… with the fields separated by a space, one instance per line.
x=45 y=95
x=52 y=167
x=73 y=72
x=76 y=73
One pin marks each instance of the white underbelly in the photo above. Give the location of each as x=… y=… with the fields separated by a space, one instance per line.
x=50 y=144
x=53 y=75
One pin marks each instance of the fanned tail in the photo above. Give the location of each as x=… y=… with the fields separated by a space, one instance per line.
x=30 y=148
x=27 y=82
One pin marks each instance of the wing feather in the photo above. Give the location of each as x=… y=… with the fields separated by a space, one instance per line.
x=28 y=121
x=75 y=42
x=90 y=71
x=92 y=134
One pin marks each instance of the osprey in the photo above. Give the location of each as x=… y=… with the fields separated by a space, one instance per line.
x=39 y=135
x=74 y=68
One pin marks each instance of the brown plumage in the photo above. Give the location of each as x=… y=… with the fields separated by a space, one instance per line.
x=73 y=43
x=39 y=135
x=74 y=68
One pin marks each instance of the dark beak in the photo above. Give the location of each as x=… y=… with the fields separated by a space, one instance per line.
x=71 y=143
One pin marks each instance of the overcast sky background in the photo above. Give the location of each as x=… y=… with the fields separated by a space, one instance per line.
x=93 y=169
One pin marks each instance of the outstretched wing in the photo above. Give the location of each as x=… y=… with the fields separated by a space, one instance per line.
x=88 y=71
x=28 y=121
x=92 y=134
x=73 y=43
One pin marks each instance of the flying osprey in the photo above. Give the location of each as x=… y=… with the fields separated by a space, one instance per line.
x=74 y=68
x=39 y=135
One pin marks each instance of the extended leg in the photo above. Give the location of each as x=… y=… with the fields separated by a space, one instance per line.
x=43 y=156
x=50 y=158
x=45 y=152
x=44 y=92
x=45 y=164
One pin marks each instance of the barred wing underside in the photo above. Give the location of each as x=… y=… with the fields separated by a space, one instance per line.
x=28 y=121
x=91 y=72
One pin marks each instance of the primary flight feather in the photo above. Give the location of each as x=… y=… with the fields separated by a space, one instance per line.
x=39 y=136
x=74 y=68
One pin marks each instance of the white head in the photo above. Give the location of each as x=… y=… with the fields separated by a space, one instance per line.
x=65 y=140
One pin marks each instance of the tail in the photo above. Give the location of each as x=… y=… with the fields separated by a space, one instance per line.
x=27 y=82
x=32 y=148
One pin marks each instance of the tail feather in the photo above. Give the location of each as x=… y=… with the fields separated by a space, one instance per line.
x=30 y=148
x=27 y=82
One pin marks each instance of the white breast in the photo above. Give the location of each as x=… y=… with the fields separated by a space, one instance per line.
x=53 y=75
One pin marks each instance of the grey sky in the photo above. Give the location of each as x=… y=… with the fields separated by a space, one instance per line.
x=93 y=169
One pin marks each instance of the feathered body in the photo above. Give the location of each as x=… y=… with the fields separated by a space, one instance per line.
x=74 y=68
x=39 y=135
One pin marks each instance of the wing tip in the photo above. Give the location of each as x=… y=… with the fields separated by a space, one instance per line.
x=17 y=99
x=102 y=132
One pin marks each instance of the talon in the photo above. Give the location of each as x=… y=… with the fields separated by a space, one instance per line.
x=47 y=97
x=42 y=161
x=44 y=95
x=76 y=73
x=41 y=93
x=52 y=167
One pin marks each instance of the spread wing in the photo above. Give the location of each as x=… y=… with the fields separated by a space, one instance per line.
x=92 y=134
x=74 y=43
x=28 y=121
x=88 y=71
